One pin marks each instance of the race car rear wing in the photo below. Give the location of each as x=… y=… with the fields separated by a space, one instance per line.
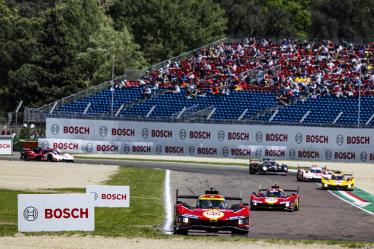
x=228 y=198
x=276 y=186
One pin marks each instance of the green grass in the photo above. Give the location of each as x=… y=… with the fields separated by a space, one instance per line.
x=142 y=219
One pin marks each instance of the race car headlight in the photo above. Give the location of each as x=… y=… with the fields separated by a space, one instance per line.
x=287 y=204
x=185 y=220
x=236 y=218
x=264 y=168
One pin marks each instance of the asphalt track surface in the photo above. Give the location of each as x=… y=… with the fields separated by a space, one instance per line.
x=321 y=215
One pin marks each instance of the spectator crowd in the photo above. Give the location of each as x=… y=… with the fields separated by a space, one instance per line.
x=293 y=69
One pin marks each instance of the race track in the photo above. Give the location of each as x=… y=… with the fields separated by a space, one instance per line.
x=321 y=215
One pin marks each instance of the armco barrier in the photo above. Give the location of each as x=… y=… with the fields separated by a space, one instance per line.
x=242 y=141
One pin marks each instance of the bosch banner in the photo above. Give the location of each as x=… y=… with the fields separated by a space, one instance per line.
x=110 y=196
x=55 y=212
x=223 y=140
x=6 y=145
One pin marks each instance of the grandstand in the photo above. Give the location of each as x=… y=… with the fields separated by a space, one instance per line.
x=252 y=81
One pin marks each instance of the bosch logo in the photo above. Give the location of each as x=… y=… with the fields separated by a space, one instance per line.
x=103 y=131
x=328 y=155
x=340 y=139
x=159 y=149
x=292 y=153
x=145 y=133
x=45 y=144
x=126 y=148
x=258 y=152
x=364 y=156
x=89 y=147
x=259 y=136
x=182 y=134
x=225 y=151
x=299 y=138
x=55 y=129
x=221 y=135
x=191 y=150
x=30 y=213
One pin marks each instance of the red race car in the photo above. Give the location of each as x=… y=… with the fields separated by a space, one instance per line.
x=275 y=198
x=211 y=214
x=39 y=154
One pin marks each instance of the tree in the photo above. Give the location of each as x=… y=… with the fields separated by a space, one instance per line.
x=17 y=46
x=165 y=28
x=273 y=18
x=343 y=19
x=106 y=45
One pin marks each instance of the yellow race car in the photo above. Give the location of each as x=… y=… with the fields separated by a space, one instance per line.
x=338 y=180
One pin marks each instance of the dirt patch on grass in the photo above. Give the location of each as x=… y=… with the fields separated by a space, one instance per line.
x=32 y=176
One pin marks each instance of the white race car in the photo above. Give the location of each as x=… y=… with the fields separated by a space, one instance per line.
x=313 y=173
x=55 y=156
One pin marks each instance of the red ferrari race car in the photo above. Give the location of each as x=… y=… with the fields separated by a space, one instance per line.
x=211 y=214
x=39 y=154
x=275 y=198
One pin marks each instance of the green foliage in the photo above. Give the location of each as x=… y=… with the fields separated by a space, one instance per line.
x=273 y=18
x=165 y=28
x=343 y=19
x=107 y=45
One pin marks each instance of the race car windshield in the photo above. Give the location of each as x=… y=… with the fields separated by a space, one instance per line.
x=56 y=152
x=274 y=193
x=212 y=204
x=316 y=171
x=339 y=178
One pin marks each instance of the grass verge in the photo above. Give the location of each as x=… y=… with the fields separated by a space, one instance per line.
x=142 y=219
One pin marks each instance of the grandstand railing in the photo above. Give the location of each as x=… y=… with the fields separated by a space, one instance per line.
x=38 y=114
x=196 y=119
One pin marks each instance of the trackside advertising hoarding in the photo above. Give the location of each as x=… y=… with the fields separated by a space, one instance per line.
x=55 y=212
x=110 y=196
x=209 y=140
x=6 y=145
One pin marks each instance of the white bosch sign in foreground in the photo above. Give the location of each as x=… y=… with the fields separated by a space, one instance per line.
x=55 y=212
x=110 y=196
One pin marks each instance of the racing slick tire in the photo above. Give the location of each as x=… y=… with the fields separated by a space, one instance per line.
x=252 y=171
x=180 y=231
x=49 y=158
x=26 y=158
x=240 y=232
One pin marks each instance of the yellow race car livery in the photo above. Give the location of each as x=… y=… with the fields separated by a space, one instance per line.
x=338 y=180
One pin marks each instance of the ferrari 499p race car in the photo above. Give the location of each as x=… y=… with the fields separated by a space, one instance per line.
x=275 y=198
x=313 y=173
x=39 y=154
x=211 y=213
x=338 y=180
x=265 y=166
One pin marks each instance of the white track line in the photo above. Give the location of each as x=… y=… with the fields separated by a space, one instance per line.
x=167 y=204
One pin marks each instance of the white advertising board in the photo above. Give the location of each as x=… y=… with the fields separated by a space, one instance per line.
x=211 y=140
x=6 y=145
x=56 y=212
x=194 y=133
x=110 y=196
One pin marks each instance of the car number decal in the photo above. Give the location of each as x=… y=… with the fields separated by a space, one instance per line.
x=271 y=200
x=213 y=214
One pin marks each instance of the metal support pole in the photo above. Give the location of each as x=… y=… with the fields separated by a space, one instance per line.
x=359 y=106
x=113 y=67
x=112 y=90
